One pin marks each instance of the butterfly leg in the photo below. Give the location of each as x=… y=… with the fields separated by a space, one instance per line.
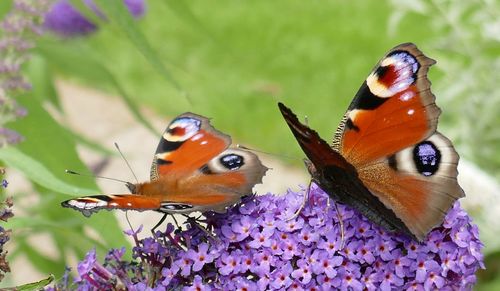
x=302 y=205
x=159 y=223
x=194 y=222
x=341 y=223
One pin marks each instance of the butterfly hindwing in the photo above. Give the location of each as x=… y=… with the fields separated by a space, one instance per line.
x=219 y=183
x=418 y=183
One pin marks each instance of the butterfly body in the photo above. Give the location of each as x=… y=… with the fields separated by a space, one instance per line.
x=387 y=160
x=193 y=170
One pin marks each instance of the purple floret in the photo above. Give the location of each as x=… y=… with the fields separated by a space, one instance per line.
x=65 y=20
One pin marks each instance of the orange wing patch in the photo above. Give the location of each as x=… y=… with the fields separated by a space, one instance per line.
x=191 y=155
x=399 y=122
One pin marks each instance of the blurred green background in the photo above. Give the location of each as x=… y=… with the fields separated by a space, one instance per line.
x=234 y=60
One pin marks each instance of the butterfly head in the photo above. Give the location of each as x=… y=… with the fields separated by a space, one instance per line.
x=132 y=187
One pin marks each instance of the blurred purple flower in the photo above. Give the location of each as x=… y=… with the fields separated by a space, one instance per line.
x=5 y=214
x=303 y=253
x=9 y=136
x=5 y=183
x=65 y=20
x=20 y=27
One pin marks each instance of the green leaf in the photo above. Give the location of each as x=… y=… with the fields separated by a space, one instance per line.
x=37 y=173
x=182 y=9
x=51 y=146
x=118 y=14
x=42 y=80
x=33 y=286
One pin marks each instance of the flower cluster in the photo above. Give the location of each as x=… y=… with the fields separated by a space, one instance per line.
x=5 y=214
x=20 y=27
x=256 y=246
x=66 y=21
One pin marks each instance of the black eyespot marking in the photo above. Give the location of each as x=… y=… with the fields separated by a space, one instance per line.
x=393 y=163
x=381 y=70
x=163 y=162
x=168 y=146
x=206 y=170
x=166 y=206
x=103 y=197
x=232 y=161
x=427 y=158
x=366 y=100
x=350 y=125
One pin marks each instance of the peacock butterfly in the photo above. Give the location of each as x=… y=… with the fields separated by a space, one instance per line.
x=387 y=160
x=193 y=169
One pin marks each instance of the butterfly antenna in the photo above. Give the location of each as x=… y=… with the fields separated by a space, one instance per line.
x=95 y=176
x=263 y=152
x=341 y=223
x=128 y=165
x=306 y=120
x=303 y=204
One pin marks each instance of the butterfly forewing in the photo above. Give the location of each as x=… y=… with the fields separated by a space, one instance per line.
x=187 y=144
x=393 y=109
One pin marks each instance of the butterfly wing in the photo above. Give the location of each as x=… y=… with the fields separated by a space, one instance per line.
x=389 y=135
x=393 y=109
x=187 y=144
x=220 y=182
x=193 y=170
x=338 y=177
x=194 y=166
x=90 y=204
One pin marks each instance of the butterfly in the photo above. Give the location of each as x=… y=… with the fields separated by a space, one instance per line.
x=193 y=169
x=387 y=160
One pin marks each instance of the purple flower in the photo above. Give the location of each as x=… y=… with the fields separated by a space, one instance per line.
x=261 y=238
x=66 y=21
x=197 y=285
x=85 y=266
x=200 y=257
x=390 y=280
x=255 y=247
x=265 y=261
x=5 y=183
x=20 y=28
x=303 y=272
x=282 y=276
x=229 y=264
x=9 y=136
x=5 y=214
x=326 y=265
